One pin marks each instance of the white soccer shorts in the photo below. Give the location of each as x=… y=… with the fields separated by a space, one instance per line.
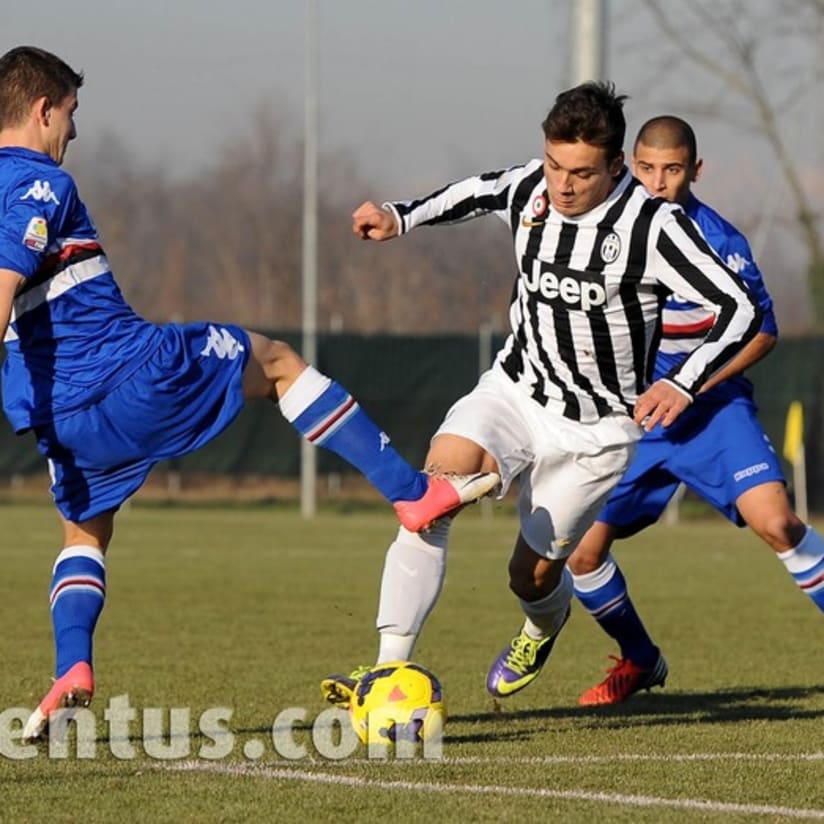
x=566 y=469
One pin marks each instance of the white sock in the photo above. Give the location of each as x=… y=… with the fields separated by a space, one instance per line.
x=805 y=554
x=590 y=581
x=304 y=391
x=413 y=576
x=805 y=562
x=545 y=617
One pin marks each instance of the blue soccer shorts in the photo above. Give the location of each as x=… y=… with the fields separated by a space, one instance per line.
x=718 y=451
x=184 y=395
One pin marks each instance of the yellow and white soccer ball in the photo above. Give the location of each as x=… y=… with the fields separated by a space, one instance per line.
x=398 y=701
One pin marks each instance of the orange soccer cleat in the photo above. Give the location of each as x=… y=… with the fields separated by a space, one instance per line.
x=624 y=679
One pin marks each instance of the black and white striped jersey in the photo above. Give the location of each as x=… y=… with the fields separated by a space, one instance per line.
x=586 y=304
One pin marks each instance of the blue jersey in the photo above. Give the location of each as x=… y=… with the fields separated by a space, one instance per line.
x=72 y=337
x=686 y=324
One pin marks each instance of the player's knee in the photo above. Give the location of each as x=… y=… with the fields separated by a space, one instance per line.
x=582 y=563
x=592 y=550
x=96 y=532
x=781 y=530
x=531 y=582
x=279 y=362
x=281 y=359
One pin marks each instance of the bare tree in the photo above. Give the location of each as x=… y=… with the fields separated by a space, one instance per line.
x=767 y=59
x=225 y=244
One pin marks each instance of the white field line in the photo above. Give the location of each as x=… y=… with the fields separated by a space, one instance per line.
x=574 y=759
x=310 y=776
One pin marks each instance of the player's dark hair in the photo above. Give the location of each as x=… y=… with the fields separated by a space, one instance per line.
x=27 y=74
x=668 y=132
x=592 y=113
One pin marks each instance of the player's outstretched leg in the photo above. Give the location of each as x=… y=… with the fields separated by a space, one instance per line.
x=77 y=594
x=327 y=415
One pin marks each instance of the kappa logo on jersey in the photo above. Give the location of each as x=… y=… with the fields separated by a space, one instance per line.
x=576 y=290
x=221 y=344
x=737 y=262
x=610 y=248
x=41 y=190
x=36 y=235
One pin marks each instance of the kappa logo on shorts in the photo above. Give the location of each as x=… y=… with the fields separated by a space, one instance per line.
x=221 y=344
x=757 y=469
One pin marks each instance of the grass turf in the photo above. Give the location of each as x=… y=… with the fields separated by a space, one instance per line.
x=247 y=608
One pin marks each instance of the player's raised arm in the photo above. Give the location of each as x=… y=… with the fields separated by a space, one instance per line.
x=373 y=222
x=487 y=193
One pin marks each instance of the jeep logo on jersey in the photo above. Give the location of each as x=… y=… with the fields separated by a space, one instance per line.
x=610 y=248
x=41 y=190
x=575 y=289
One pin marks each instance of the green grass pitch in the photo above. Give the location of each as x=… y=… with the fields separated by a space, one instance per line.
x=247 y=608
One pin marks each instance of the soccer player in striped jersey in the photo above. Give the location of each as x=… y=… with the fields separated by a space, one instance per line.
x=717 y=447
x=566 y=399
x=108 y=394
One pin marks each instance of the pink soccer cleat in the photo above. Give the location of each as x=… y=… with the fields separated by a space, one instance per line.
x=444 y=495
x=73 y=689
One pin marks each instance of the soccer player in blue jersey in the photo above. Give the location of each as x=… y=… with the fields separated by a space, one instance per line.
x=717 y=448
x=108 y=394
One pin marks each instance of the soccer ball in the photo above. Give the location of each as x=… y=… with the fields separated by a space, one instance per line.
x=397 y=701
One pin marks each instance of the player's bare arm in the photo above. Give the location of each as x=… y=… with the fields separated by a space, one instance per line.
x=373 y=222
x=10 y=282
x=661 y=403
x=759 y=347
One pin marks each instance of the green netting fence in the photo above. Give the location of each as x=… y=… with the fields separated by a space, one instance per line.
x=407 y=384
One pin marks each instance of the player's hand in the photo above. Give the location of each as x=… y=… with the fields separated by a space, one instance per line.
x=661 y=403
x=371 y=222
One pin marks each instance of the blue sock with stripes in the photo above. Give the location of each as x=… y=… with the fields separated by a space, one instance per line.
x=327 y=415
x=805 y=563
x=78 y=590
x=604 y=595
